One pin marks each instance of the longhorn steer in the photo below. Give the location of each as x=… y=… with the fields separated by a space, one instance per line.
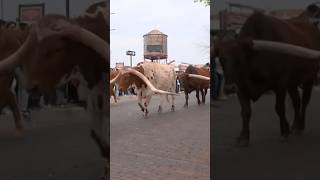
x=255 y=67
x=58 y=49
x=195 y=79
x=149 y=79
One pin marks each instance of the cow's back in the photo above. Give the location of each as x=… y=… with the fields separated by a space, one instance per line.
x=192 y=82
x=162 y=76
x=265 y=67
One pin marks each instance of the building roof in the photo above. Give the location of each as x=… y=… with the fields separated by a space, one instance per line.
x=155 y=31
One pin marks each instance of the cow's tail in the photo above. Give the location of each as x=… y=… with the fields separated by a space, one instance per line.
x=167 y=97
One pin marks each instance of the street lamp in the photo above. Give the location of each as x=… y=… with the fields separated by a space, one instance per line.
x=131 y=53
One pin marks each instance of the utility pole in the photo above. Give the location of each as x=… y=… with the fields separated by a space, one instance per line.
x=2 y=9
x=67 y=8
x=131 y=53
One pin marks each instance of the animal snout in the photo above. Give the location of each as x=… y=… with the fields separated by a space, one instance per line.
x=230 y=88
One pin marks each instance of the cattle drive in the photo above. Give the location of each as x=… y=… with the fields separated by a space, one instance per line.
x=272 y=54
x=54 y=47
x=195 y=79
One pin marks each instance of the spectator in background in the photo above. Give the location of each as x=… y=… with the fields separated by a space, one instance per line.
x=178 y=86
x=11 y=25
x=220 y=81
x=22 y=94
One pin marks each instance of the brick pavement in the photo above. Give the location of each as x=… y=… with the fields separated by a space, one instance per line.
x=171 y=145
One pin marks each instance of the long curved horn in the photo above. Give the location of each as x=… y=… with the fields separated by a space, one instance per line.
x=15 y=59
x=286 y=49
x=199 y=77
x=116 y=78
x=145 y=80
x=81 y=35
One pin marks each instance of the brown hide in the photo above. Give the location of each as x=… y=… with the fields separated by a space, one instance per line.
x=129 y=79
x=191 y=84
x=55 y=56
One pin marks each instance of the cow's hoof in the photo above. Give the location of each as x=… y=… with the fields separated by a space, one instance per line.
x=242 y=142
x=160 y=109
x=172 y=108
x=146 y=112
x=185 y=105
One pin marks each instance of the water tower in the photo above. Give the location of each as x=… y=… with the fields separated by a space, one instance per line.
x=155 y=46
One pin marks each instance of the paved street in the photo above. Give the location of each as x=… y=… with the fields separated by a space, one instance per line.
x=171 y=145
x=57 y=146
x=266 y=158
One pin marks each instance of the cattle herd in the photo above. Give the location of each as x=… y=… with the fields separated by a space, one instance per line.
x=272 y=54
x=267 y=54
x=153 y=78
x=55 y=50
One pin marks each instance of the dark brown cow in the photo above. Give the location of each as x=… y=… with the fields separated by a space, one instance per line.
x=59 y=49
x=191 y=83
x=254 y=67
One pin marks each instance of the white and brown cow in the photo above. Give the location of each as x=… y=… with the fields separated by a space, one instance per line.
x=59 y=49
x=149 y=79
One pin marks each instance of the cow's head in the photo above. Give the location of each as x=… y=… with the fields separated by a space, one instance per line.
x=128 y=79
x=232 y=55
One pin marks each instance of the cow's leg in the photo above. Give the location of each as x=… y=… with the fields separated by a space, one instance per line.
x=12 y=102
x=140 y=102
x=172 y=103
x=146 y=103
x=161 y=103
x=280 y=109
x=197 y=95
x=307 y=91
x=295 y=97
x=203 y=96
x=245 y=103
x=186 y=94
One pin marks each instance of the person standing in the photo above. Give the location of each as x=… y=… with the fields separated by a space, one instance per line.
x=23 y=95
x=220 y=81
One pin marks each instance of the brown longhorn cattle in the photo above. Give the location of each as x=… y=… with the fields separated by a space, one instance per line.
x=195 y=79
x=272 y=54
x=59 y=49
x=149 y=79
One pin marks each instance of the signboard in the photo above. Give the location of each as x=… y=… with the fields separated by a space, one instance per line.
x=30 y=13
x=131 y=53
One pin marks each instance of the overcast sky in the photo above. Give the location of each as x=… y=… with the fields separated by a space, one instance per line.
x=186 y=23
x=265 y=4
